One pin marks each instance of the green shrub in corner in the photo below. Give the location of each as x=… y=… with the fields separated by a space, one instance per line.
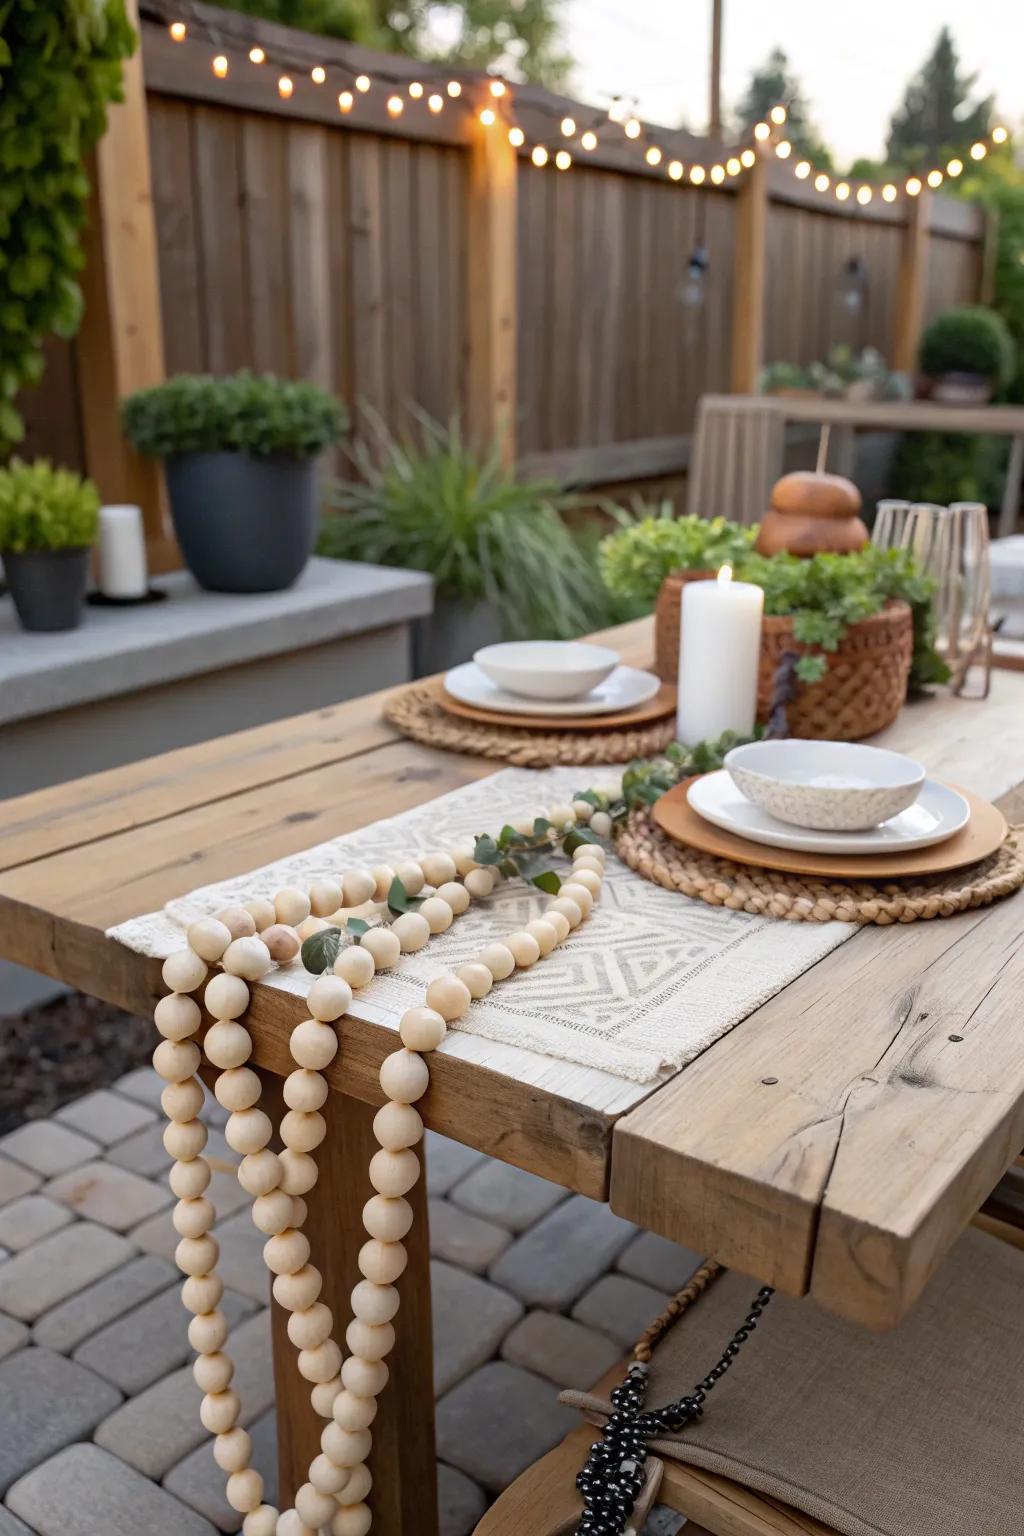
x=258 y=414
x=969 y=340
x=45 y=508
x=60 y=64
x=653 y=542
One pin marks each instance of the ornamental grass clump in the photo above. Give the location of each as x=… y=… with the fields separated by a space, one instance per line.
x=257 y=414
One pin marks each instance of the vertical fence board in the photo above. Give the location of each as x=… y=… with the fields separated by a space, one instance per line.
x=182 y=291
x=222 y=248
x=365 y=229
x=265 y=200
x=309 y=298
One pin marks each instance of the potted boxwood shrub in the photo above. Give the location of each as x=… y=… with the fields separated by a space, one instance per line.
x=967 y=355
x=239 y=454
x=48 y=520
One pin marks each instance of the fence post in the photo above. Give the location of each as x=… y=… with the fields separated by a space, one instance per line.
x=748 y=298
x=491 y=374
x=120 y=345
x=989 y=256
x=913 y=284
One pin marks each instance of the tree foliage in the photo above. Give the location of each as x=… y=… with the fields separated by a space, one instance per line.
x=774 y=83
x=936 y=117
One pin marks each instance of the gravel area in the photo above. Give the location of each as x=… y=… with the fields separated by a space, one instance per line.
x=60 y=1051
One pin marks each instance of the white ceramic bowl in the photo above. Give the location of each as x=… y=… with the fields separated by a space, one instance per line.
x=834 y=786
x=547 y=669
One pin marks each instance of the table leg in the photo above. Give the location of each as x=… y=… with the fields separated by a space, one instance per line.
x=404 y=1496
x=1011 y=492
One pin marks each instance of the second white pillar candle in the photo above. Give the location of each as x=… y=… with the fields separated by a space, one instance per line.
x=719 y=650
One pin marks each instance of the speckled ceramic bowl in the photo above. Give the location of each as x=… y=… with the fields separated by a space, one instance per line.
x=835 y=786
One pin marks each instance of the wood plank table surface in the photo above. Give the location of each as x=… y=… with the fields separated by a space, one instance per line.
x=833 y=1144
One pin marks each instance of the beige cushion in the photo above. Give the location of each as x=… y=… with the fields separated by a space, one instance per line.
x=918 y=1432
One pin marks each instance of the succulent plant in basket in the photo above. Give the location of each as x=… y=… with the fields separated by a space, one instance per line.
x=239 y=455
x=48 y=520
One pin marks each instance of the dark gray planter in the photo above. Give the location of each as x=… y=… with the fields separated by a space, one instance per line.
x=244 y=524
x=48 y=586
x=451 y=634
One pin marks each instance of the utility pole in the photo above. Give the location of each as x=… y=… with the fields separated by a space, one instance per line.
x=715 y=104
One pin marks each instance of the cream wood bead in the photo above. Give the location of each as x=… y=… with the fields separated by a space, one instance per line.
x=272 y=1213
x=480 y=882
x=238 y=1088
x=282 y=942
x=383 y=945
x=311 y=1326
x=588 y=878
x=197 y=1256
x=411 y=930
x=463 y=860
x=184 y=1140
x=562 y=816
x=364 y=1378
x=438 y=914
x=601 y=823
x=438 y=868
x=202 y=1293
x=189 y=1180
x=208 y=1333
x=369 y=1342
x=248 y=958
x=183 y=971
x=573 y=891
x=422 y=1029
x=322 y=1395
x=248 y=1130
x=286 y=1252
x=227 y=1044
x=351 y=1412
x=309 y=927
x=177 y=1016
x=476 y=977
x=320 y=1364
x=177 y=1060
x=329 y=998
x=404 y=1076
x=193 y=1218
x=393 y=1174
x=302 y=1131
x=300 y=1210
x=290 y=1523
x=291 y=906
x=545 y=933
x=313 y=1045
x=588 y=865
x=324 y=897
x=182 y=1101
x=450 y=996
x=260 y=1172
x=455 y=894
x=298 y=1171
x=383 y=1263
x=583 y=810
x=261 y=911
x=261 y=1522
x=244 y=1490
x=589 y=850
x=559 y=922
x=298 y=1291
x=374 y=1304
x=411 y=875
x=397 y=1125
x=345 y=1447
x=325 y=1476
x=355 y=965
x=239 y=923
x=352 y=1520
x=358 y=1486
x=499 y=960
x=305 y=1090
x=569 y=909
x=360 y=885
x=314 y=1507
x=383 y=875
x=226 y=996
x=219 y=1411
x=524 y=947
x=213 y=1373
x=209 y=938
x=387 y=1217
x=232 y=1451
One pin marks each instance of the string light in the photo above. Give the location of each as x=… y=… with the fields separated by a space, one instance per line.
x=863 y=194
x=487 y=117
x=285 y=86
x=821 y=182
x=415 y=90
x=516 y=137
x=568 y=126
x=733 y=166
x=935 y=178
x=497 y=88
x=178 y=31
x=675 y=170
x=762 y=131
x=345 y=101
x=435 y=103
x=913 y=186
x=318 y=74
x=802 y=170
x=563 y=160
x=257 y=55
x=889 y=192
x=747 y=158
x=539 y=155
x=454 y=89
x=220 y=66
x=999 y=135
x=632 y=129
x=653 y=155
x=778 y=115
x=954 y=168
x=783 y=149
x=842 y=190
x=617 y=110
x=362 y=83
x=588 y=140
x=718 y=174
x=396 y=106
x=978 y=151
x=697 y=174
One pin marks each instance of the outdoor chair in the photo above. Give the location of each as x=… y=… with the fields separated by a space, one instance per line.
x=822 y=1428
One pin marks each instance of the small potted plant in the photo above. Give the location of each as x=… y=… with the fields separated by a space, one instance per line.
x=48 y=520
x=240 y=458
x=967 y=355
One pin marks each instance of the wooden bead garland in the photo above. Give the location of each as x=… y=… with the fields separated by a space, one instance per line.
x=246 y=941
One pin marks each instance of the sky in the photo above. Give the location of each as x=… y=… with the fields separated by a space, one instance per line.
x=853 y=60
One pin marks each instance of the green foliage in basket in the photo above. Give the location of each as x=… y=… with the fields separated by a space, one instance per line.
x=60 y=64
x=243 y=412
x=46 y=508
x=969 y=340
x=652 y=542
x=434 y=504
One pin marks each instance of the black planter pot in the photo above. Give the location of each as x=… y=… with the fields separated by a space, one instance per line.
x=48 y=586
x=244 y=524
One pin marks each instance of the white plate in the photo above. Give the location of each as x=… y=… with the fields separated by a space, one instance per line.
x=937 y=813
x=626 y=688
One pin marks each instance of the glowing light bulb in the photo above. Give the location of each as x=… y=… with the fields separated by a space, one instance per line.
x=733 y=166
x=435 y=102
x=954 y=168
x=563 y=160
x=178 y=31
x=978 y=151
x=718 y=174
x=802 y=169
x=415 y=90
x=675 y=170
x=497 y=88
x=285 y=87
x=889 y=192
x=697 y=174
x=568 y=126
x=842 y=190
x=778 y=114
x=864 y=194
x=487 y=117
x=318 y=74
x=913 y=185
x=516 y=137
x=935 y=178
x=454 y=88
x=257 y=55
x=747 y=159
x=539 y=155
x=783 y=149
x=1000 y=135
x=588 y=140
x=617 y=110
x=345 y=101
x=632 y=128
x=821 y=182
x=762 y=131
x=220 y=66
x=653 y=155
x=362 y=83
x=395 y=106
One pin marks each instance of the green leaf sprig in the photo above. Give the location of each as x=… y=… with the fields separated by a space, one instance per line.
x=320 y=950
x=527 y=855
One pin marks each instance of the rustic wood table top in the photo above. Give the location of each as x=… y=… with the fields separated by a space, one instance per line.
x=834 y=1143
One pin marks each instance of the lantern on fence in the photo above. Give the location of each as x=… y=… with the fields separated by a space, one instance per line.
x=693 y=288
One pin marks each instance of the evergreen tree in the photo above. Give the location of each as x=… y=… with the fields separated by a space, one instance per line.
x=936 y=119
x=774 y=83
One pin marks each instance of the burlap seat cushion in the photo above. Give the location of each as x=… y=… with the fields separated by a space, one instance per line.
x=918 y=1432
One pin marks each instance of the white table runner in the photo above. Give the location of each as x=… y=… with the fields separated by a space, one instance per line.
x=649 y=981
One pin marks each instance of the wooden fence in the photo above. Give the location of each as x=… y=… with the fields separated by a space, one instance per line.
x=421 y=260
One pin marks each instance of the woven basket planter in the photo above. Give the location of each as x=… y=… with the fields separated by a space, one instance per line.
x=666 y=622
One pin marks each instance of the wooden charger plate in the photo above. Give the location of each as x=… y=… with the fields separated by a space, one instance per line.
x=983 y=834
x=661 y=705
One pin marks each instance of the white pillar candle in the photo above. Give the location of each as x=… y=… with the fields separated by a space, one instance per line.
x=122 y=552
x=719 y=647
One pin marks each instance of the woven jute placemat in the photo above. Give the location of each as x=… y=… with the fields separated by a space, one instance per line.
x=804 y=899
x=418 y=712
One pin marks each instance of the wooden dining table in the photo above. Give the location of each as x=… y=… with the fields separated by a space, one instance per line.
x=833 y=1144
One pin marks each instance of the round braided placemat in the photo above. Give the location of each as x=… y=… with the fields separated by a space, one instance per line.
x=804 y=899
x=417 y=712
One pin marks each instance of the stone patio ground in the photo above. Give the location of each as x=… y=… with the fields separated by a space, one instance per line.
x=533 y=1288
